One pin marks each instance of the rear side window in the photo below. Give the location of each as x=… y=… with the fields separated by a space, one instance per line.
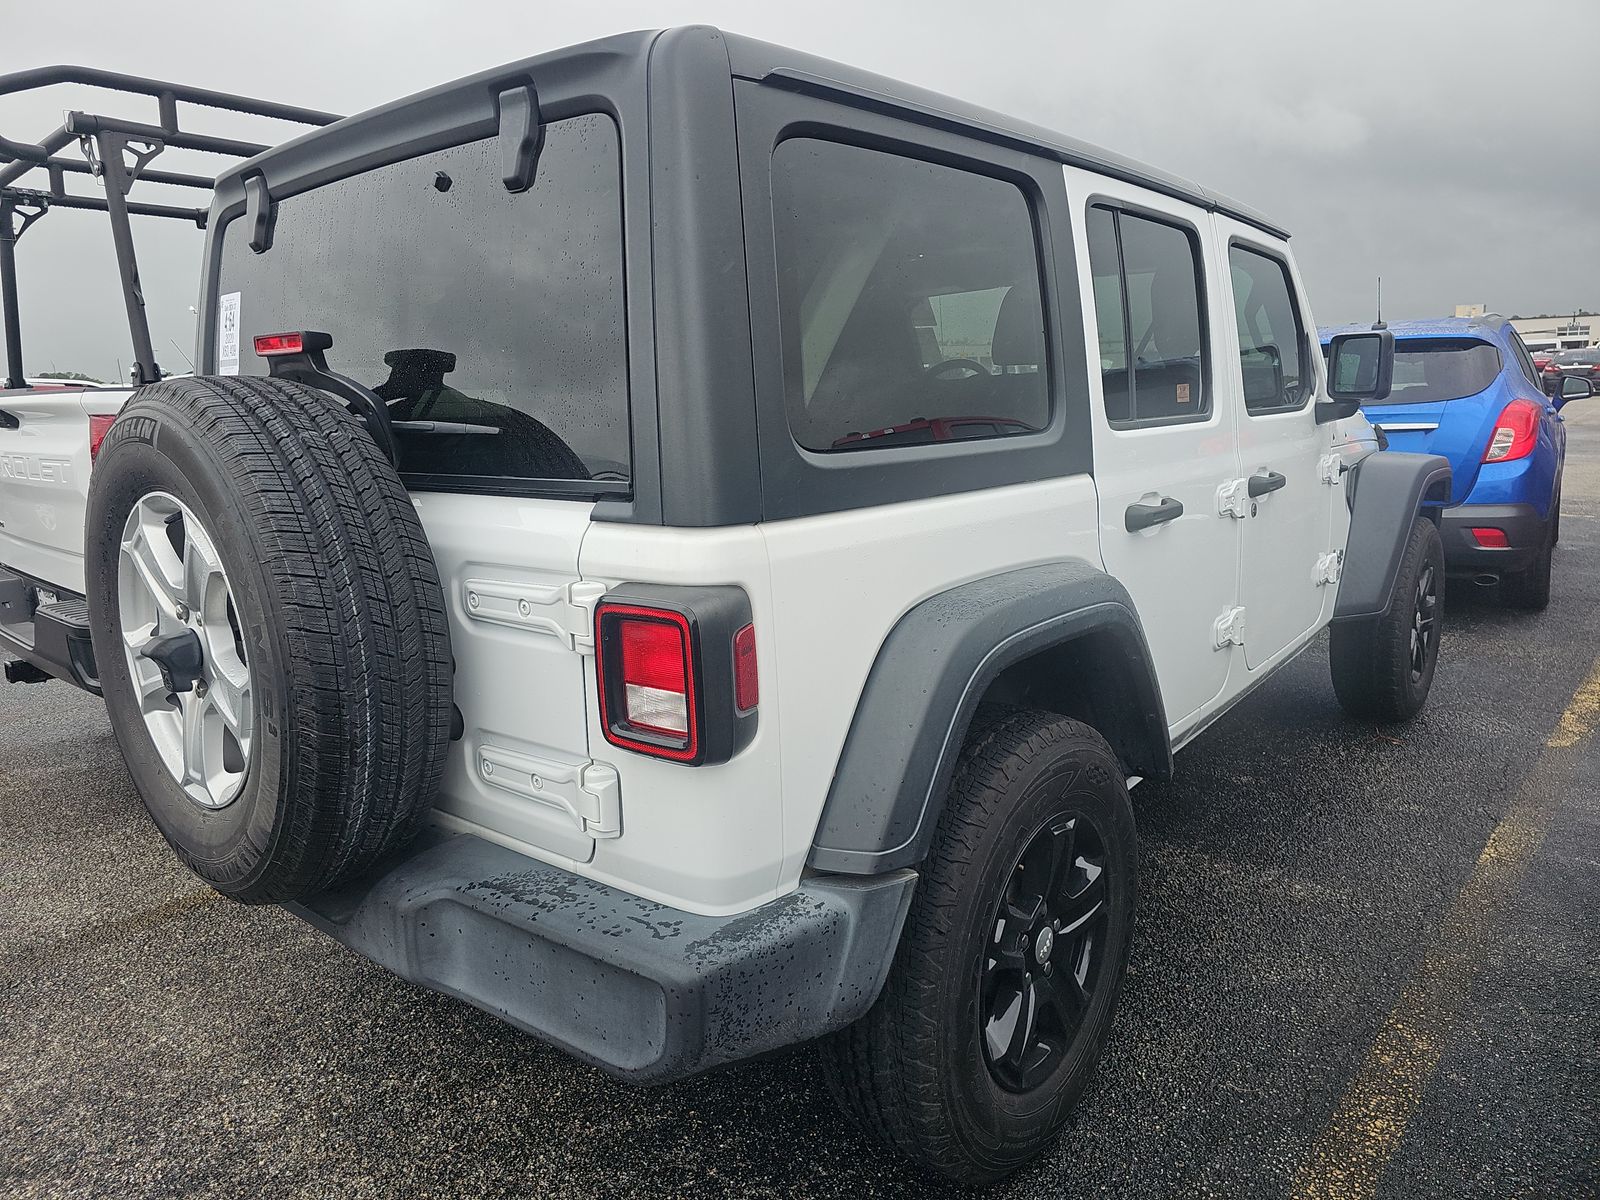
x=1148 y=306
x=490 y=322
x=1272 y=339
x=910 y=300
x=1432 y=370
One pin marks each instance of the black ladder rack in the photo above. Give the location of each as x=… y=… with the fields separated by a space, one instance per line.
x=117 y=151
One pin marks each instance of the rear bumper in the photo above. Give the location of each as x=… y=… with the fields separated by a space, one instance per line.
x=54 y=638
x=647 y=993
x=1524 y=528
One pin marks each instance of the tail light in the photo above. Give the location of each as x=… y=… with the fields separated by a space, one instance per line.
x=1515 y=432
x=677 y=672
x=270 y=345
x=99 y=426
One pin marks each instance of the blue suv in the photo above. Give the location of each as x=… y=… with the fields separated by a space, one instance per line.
x=1466 y=388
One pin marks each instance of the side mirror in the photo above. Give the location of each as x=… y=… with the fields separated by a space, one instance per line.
x=1573 y=389
x=1360 y=370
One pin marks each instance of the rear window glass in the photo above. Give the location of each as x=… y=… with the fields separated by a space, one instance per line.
x=1432 y=370
x=490 y=322
x=1574 y=357
x=910 y=300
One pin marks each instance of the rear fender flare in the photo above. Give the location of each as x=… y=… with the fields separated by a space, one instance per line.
x=934 y=668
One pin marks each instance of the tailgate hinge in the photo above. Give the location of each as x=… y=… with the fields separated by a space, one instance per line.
x=1228 y=630
x=1329 y=468
x=1233 y=498
x=590 y=793
x=1329 y=567
x=581 y=599
x=562 y=610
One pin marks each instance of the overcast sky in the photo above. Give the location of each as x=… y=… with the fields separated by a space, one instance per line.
x=1453 y=148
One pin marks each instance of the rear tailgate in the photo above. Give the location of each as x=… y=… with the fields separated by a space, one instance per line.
x=44 y=480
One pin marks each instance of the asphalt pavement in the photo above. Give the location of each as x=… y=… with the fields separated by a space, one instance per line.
x=1366 y=964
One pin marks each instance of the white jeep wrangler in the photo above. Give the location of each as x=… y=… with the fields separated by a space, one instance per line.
x=686 y=546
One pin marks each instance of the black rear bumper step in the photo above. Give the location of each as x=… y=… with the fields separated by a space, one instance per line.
x=647 y=993
x=55 y=641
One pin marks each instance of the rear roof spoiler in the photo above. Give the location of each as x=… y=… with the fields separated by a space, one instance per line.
x=118 y=151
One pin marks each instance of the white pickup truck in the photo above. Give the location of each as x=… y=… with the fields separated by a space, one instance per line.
x=686 y=545
x=49 y=434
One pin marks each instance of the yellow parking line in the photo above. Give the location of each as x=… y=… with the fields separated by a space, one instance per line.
x=1581 y=717
x=1349 y=1157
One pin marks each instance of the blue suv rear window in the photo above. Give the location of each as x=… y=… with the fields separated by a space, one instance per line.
x=1433 y=370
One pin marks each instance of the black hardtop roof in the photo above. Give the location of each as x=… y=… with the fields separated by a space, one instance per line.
x=769 y=64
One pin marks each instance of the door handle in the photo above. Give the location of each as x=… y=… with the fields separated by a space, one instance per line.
x=1267 y=481
x=1143 y=516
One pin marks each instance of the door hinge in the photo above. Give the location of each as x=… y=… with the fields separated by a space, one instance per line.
x=1329 y=567
x=559 y=610
x=1228 y=630
x=1233 y=498
x=1329 y=468
x=590 y=793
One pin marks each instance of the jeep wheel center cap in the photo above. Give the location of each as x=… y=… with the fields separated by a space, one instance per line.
x=1042 y=947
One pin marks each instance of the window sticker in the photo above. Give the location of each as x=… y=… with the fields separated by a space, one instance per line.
x=228 y=334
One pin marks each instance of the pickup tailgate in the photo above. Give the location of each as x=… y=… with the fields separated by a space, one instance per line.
x=44 y=479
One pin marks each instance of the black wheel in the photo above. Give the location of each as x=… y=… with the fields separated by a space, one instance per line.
x=270 y=633
x=1384 y=668
x=1529 y=589
x=1001 y=995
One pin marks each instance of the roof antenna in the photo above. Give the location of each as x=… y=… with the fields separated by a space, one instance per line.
x=1378 y=324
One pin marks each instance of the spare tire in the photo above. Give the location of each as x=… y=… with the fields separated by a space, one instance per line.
x=269 y=630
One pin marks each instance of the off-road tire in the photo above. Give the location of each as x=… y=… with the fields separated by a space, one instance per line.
x=913 y=1072
x=1372 y=663
x=339 y=610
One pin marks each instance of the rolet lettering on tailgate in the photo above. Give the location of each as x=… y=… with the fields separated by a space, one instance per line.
x=36 y=468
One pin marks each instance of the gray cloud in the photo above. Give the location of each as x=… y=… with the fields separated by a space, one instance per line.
x=1452 y=147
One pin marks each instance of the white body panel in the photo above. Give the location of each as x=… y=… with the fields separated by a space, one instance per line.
x=44 y=481
x=824 y=592
x=1290 y=529
x=1182 y=575
x=521 y=687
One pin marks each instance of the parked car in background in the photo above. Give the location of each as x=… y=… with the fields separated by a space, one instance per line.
x=1569 y=364
x=1467 y=389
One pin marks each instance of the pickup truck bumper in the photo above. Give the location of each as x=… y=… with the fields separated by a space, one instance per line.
x=1524 y=528
x=647 y=993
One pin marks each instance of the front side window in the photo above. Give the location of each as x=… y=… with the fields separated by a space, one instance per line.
x=491 y=323
x=910 y=300
x=1272 y=339
x=1148 y=293
x=1434 y=370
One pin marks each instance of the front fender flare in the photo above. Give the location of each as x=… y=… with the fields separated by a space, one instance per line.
x=925 y=685
x=1387 y=491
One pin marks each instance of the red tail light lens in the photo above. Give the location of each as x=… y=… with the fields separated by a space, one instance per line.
x=98 y=428
x=270 y=344
x=1515 y=432
x=655 y=676
x=1491 y=539
x=647 y=680
x=746 y=681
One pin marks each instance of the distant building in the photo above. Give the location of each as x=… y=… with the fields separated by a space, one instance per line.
x=1574 y=331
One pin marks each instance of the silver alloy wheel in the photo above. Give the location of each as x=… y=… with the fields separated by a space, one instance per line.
x=186 y=657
